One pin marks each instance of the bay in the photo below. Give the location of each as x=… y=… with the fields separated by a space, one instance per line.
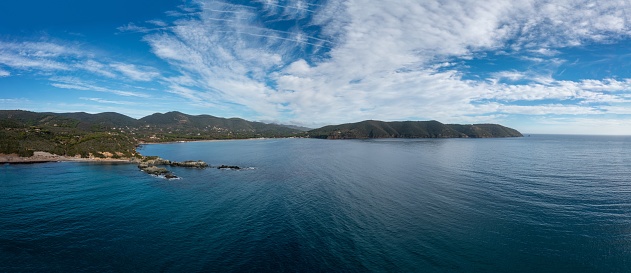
x=545 y=203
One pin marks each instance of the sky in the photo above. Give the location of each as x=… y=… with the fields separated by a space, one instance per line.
x=558 y=66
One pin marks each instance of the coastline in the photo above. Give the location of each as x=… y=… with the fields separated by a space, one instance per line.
x=43 y=157
x=210 y=140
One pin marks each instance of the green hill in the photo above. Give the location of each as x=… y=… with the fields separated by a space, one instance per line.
x=411 y=129
x=105 y=120
x=84 y=134
x=211 y=127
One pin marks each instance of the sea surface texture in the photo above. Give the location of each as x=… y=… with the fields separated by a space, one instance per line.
x=533 y=204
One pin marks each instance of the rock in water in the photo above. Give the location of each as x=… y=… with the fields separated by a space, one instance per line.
x=229 y=167
x=170 y=176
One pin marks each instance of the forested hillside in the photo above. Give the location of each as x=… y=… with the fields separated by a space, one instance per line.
x=117 y=135
x=411 y=129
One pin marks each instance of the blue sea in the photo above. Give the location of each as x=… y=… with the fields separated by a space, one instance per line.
x=544 y=203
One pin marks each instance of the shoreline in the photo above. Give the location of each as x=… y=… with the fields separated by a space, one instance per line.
x=212 y=140
x=44 y=157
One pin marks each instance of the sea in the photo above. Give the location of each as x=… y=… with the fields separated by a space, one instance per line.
x=540 y=203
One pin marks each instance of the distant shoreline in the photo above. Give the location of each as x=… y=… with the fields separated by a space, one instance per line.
x=212 y=140
x=44 y=157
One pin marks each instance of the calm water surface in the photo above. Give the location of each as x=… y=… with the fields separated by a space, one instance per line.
x=532 y=204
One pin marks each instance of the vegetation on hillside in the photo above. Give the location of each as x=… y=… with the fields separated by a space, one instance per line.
x=116 y=135
x=411 y=129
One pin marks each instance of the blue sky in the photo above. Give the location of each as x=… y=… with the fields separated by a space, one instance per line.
x=537 y=66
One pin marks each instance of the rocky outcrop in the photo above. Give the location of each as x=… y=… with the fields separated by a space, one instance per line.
x=149 y=165
x=157 y=171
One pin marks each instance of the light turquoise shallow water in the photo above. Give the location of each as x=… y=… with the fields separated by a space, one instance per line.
x=532 y=204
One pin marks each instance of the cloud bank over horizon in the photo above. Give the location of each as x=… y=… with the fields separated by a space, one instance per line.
x=537 y=66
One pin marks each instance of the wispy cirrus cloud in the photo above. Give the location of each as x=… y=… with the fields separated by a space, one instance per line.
x=95 y=67
x=18 y=61
x=13 y=100
x=131 y=27
x=67 y=58
x=41 y=49
x=137 y=73
x=45 y=56
x=100 y=100
x=79 y=84
x=158 y=23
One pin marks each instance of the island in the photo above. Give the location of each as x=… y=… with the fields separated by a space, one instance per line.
x=412 y=129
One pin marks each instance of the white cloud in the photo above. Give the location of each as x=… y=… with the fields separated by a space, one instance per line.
x=45 y=56
x=96 y=68
x=17 y=61
x=100 y=100
x=510 y=75
x=41 y=49
x=376 y=59
x=65 y=57
x=299 y=67
x=608 y=90
x=79 y=84
x=158 y=23
x=578 y=125
x=131 y=27
x=137 y=73
x=4 y=73
x=547 y=109
x=545 y=52
x=14 y=101
x=185 y=92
